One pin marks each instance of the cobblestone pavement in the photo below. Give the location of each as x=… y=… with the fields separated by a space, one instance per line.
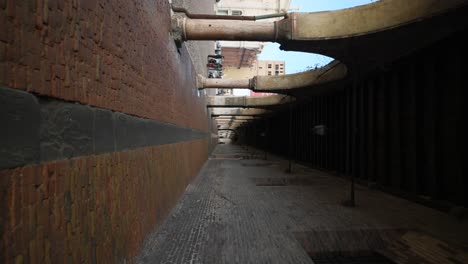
x=224 y=217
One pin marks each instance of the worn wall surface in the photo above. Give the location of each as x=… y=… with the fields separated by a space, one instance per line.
x=116 y=55
x=93 y=209
x=102 y=128
x=401 y=128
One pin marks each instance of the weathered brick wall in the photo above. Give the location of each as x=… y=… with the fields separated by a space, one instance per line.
x=113 y=54
x=94 y=209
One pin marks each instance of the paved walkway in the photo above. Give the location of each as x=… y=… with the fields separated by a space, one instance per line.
x=229 y=214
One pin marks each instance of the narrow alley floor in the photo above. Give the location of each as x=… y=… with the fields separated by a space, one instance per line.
x=242 y=208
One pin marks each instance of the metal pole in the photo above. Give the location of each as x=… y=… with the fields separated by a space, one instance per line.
x=352 y=201
x=351 y=142
x=290 y=139
x=266 y=136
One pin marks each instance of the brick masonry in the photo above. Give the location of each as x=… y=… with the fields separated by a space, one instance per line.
x=95 y=209
x=116 y=55
x=118 y=58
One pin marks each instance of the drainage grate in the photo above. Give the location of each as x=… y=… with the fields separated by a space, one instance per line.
x=355 y=258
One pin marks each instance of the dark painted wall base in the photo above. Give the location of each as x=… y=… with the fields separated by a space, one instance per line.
x=37 y=129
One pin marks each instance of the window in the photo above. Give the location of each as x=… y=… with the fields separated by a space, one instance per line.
x=281 y=71
x=236 y=12
x=222 y=12
x=276 y=67
x=269 y=66
x=260 y=68
x=269 y=73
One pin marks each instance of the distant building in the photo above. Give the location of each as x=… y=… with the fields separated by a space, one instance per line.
x=270 y=68
x=239 y=54
x=260 y=67
x=240 y=57
x=250 y=8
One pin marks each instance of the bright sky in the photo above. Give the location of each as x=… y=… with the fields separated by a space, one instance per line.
x=298 y=61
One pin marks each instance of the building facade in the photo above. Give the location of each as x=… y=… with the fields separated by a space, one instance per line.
x=240 y=57
x=270 y=68
x=243 y=53
x=250 y=8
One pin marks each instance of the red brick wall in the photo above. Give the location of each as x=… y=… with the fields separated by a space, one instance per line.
x=111 y=54
x=95 y=208
x=114 y=54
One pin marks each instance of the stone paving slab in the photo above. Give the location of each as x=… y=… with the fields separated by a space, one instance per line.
x=224 y=217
